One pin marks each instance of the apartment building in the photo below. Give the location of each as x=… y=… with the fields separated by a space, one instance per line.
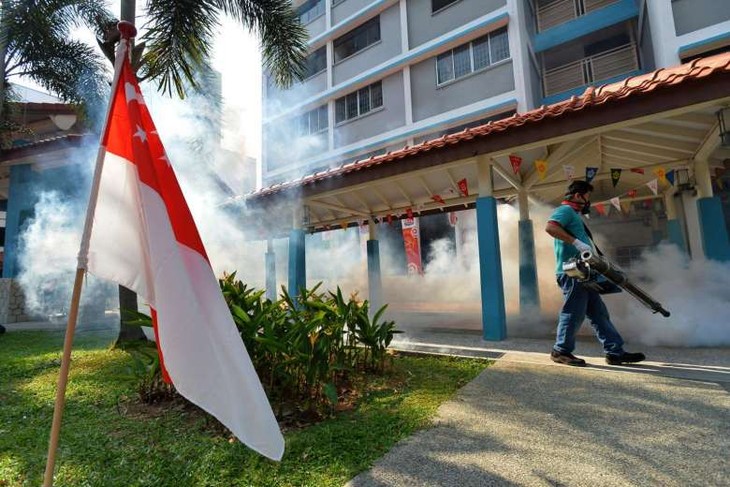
x=383 y=74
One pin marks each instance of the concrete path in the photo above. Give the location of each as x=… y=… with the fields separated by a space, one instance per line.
x=527 y=421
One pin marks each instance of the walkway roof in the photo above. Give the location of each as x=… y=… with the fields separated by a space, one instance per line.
x=664 y=119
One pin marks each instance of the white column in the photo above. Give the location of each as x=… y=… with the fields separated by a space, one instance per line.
x=663 y=35
x=670 y=206
x=405 y=47
x=703 y=179
x=484 y=176
x=519 y=52
x=524 y=206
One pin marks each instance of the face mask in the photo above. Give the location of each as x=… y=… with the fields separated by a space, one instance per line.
x=586 y=206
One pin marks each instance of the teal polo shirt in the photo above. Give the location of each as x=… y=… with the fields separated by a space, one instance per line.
x=571 y=221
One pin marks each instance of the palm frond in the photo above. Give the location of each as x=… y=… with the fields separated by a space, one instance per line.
x=283 y=38
x=39 y=46
x=179 y=39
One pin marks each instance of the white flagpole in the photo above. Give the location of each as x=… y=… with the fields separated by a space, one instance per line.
x=127 y=31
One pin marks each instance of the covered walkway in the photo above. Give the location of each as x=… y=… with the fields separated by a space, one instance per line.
x=664 y=122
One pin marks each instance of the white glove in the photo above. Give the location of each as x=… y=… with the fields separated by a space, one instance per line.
x=582 y=246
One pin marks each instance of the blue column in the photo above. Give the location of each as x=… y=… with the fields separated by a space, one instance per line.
x=529 y=293
x=713 y=229
x=674 y=229
x=270 y=271
x=375 y=285
x=297 y=272
x=494 y=324
x=21 y=201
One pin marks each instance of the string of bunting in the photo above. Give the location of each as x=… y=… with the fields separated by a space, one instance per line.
x=603 y=208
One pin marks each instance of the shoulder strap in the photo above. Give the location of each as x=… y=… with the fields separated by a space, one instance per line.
x=590 y=236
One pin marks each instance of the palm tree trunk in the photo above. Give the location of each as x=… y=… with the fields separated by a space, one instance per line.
x=127 y=297
x=3 y=54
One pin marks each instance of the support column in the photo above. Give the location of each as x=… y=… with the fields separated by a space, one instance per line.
x=375 y=282
x=494 y=324
x=713 y=231
x=674 y=227
x=529 y=292
x=297 y=271
x=270 y=270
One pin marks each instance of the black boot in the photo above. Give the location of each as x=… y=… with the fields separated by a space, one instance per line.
x=567 y=359
x=624 y=358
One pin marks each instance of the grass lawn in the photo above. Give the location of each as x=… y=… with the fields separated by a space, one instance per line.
x=108 y=439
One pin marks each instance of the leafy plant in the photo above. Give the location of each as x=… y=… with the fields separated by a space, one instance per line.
x=304 y=348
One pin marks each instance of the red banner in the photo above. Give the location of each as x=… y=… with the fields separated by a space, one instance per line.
x=515 y=161
x=412 y=244
x=463 y=187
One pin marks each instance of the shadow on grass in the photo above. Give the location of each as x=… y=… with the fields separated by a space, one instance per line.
x=102 y=444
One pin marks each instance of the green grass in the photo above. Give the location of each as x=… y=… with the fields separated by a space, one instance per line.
x=109 y=440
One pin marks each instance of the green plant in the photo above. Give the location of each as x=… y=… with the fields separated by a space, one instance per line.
x=375 y=334
x=145 y=367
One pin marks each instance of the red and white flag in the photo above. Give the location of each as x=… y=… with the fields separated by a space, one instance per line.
x=143 y=237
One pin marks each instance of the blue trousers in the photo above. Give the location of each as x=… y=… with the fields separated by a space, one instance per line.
x=578 y=303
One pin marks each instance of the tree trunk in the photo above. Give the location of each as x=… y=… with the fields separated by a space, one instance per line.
x=3 y=54
x=127 y=297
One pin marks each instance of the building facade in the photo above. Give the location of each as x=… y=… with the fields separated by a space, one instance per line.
x=383 y=74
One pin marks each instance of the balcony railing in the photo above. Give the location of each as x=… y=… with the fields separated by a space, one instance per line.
x=561 y=11
x=603 y=66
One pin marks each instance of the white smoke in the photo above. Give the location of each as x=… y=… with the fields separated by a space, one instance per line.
x=50 y=244
x=696 y=292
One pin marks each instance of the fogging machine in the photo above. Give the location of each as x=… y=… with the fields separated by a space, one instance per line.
x=593 y=271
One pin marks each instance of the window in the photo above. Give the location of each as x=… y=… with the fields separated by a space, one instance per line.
x=472 y=56
x=316 y=62
x=310 y=10
x=312 y=122
x=357 y=39
x=359 y=102
x=437 y=5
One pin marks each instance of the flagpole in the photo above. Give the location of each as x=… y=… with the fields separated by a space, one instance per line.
x=127 y=31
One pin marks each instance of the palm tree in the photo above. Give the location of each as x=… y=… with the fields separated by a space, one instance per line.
x=35 y=42
x=176 y=48
x=179 y=36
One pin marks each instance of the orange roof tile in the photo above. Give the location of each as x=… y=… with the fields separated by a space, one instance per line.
x=593 y=96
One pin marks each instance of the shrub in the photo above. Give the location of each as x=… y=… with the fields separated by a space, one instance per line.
x=304 y=348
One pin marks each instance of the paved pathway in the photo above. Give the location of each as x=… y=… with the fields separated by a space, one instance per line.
x=527 y=421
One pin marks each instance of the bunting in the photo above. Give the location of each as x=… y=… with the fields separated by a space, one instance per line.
x=601 y=209
x=569 y=171
x=670 y=177
x=631 y=193
x=661 y=174
x=616 y=202
x=615 y=176
x=638 y=170
x=541 y=165
x=653 y=186
x=591 y=173
x=516 y=162
x=463 y=187
x=438 y=199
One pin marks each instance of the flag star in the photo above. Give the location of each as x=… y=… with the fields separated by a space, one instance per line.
x=141 y=134
x=167 y=161
x=131 y=94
